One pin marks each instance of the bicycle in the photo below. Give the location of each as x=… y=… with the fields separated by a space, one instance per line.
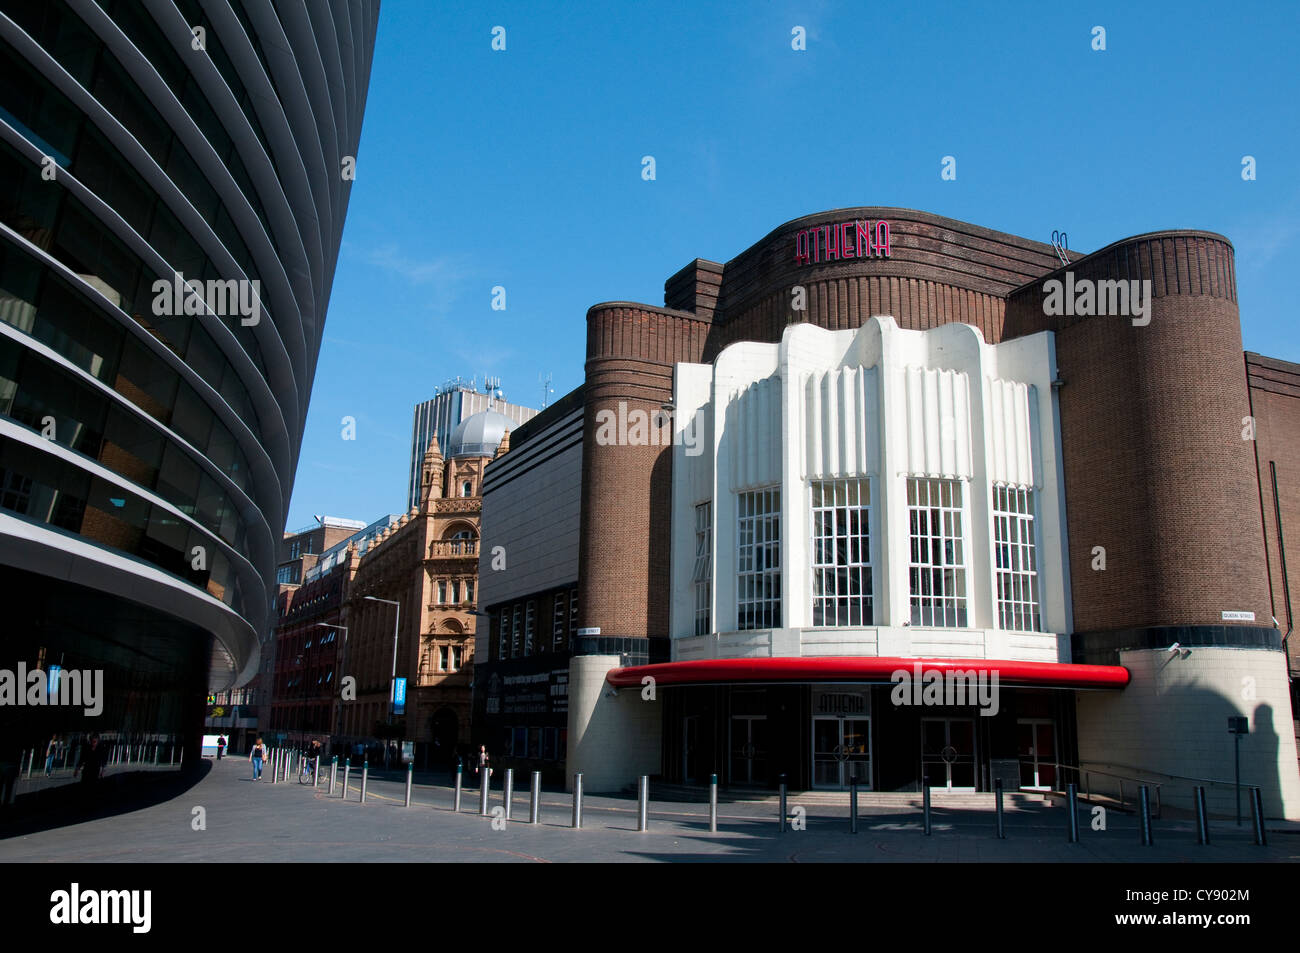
x=308 y=775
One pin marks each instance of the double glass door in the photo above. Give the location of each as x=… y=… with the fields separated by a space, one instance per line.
x=841 y=751
x=748 y=749
x=948 y=752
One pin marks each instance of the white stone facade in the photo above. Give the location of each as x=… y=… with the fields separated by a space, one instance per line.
x=879 y=404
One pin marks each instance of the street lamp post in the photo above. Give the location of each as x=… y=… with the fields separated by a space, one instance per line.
x=338 y=722
x=392 y=681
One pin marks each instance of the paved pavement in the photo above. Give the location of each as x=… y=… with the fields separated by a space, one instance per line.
x=243 y=820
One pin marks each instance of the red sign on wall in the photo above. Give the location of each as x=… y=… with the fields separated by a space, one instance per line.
x=860 y=239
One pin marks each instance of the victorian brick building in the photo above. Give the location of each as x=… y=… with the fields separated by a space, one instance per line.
x=411 y=604
x=876 y=442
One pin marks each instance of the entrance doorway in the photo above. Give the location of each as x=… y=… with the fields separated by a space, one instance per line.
x=748 y=749
x=841 y=750
x=1036 y=746
x=948 y=752
x=690 y=741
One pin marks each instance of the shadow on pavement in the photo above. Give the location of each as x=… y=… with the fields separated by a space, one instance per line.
x=118 y=793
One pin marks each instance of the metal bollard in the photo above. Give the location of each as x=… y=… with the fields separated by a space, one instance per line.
x=347 y=770
x=410 y=770
x=535 y=800
x=455 y=803
x=643 y=803
x=1144 y=802
x=925 y=802
x=1257 y=816
x=31 y=757
x=1202 y=817
x=155 y=756
x=784 y=812
x=853 y=804
x=997 y=800
x=484 y=773
x=1072 y=802
x=334 y=771
x=508 y=793
x=365 y=776
x=272 y=764
x=316 y=779
x=713 y=804
x=577 y=801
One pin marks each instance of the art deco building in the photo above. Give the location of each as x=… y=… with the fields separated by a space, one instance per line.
x=876 y=442
x=148 y=439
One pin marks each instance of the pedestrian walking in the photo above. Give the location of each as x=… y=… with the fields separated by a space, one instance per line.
x=221 y=746
x=256 y=755
x=484 y=762
x=50 y=750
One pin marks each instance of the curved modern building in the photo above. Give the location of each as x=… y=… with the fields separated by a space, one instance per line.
x=175 y=177
x=897 y=497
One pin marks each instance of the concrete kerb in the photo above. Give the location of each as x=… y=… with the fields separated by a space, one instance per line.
x=948 y=819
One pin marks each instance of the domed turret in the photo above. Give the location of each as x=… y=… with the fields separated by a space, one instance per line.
x=479 y=435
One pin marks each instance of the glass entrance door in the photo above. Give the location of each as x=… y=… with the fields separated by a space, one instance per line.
x=841 y=750
x=690 y=740
x=1036 y=742
x=748 y=749
x=948 y=752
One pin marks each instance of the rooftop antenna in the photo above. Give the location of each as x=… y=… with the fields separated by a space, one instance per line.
x=1061 y=243
x=547 y=389
x=492 y=387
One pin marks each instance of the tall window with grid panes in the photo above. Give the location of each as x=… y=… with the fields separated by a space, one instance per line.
x=1016 y=563
x=703 y=574
x=841 y=553
x=758 y=559
x=937 y=558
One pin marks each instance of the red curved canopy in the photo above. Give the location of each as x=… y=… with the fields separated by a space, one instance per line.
x=866 y=669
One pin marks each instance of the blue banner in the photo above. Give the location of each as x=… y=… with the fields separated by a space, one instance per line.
x=399 y=696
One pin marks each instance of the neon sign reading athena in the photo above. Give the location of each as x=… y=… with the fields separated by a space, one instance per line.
x=845 y=240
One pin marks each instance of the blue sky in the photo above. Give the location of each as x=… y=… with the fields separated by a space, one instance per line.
x=522 y=169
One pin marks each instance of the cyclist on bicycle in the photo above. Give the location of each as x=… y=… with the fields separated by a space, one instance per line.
x=311 y=765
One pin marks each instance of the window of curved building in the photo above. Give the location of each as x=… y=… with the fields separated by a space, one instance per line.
x=45 y=115
x=140 y=28
x=39 y=394
x=47 y=490
x=42 y=305
x=44 y=216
